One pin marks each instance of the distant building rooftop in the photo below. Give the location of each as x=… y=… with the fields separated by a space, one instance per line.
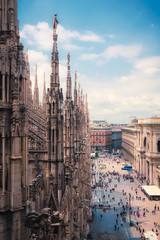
x=149 y=121
x=100 y=128
x=129 y=128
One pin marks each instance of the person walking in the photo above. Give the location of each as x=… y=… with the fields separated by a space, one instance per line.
x=155 y=207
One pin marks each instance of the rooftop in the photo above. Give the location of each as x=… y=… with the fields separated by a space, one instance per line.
x=149 y=121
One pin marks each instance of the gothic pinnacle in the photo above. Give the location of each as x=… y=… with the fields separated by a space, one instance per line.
x=55 y=23
x=36 y=90
x=27 y=60
x=36 y=84
x=54 y=81
x=44 y=84
x=86 y=104
x=44 y=87
x=75 y=88
x=68 y=87
x=44 y=94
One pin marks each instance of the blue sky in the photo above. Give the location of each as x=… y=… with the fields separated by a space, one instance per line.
x=114 y=47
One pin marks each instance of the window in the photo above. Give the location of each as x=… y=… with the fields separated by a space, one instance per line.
x=6 y=86
x=53 y=141
x=0 y=86
x=158 y=146
x=145 y=142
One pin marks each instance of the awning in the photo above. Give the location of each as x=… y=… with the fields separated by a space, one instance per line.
x=151 y=190
x=150 y=235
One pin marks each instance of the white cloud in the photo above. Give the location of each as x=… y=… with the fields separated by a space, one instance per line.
x=113 y=99
x=36 y=57
x=122 y=51
x=65 y=35
x=91 y=37
x=90 y=56
x=40 y=35
x=88 y=36
x=70 y=46
x=128 y=52
x=134 y=94
x=149 y=65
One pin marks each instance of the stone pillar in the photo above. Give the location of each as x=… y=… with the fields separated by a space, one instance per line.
x=141 y=166
x=16 y=175
x=4 y=15
x=25 y=175
x=3 y=156
x=3 y=88
x=24 y=90
x=144 y=167
x=16 y=226
x=151 y=173
x=155 y=175
x=147 y=170
x=7 y=89
x=3 y=226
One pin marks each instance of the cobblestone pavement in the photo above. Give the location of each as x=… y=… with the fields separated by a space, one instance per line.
x=105 y=225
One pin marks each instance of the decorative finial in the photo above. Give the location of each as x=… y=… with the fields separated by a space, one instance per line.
x=68 y=59
x=55 y=22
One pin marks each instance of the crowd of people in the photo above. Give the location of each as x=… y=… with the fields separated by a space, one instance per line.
x=124 y=212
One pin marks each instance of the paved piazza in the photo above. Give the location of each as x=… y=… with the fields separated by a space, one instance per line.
x=104 y=221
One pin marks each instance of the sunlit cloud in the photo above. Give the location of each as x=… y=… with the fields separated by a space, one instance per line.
x=134 y=94
x=128 y=52
x=40 y=36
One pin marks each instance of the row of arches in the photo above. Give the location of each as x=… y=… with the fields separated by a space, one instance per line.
x=147 y=145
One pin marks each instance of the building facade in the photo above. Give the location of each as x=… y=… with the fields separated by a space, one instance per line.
x=147 y=154
x=141 y=145
x=101 y=139
x=116 y=138
x=128 y=142
x=45 y=189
